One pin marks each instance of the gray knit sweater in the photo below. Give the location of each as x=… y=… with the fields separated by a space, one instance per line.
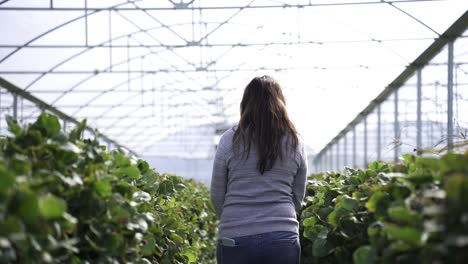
x=248 y=202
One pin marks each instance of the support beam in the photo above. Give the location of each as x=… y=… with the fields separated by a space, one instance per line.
x=345 y=151
x=354 y=147
x=379 y=133
x=338 y=165
x=204 y=45
x=418 y=111
x=365 y=142
x=450 y=97
x=396 y=128
x=271 y=6
x=44 y=106
x=15 y=106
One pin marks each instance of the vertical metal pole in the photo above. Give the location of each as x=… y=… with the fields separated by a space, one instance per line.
x=450 y=98
x=110 y=40
x=418 y=111
x=337 y=155
x=22 y=109
x=154 y=95
x=1 y=112
x=64 y=125
x=345 y=151
x=51 y=4
x=322 y=162
x=331 y=158
x=396 y=129
x=354 y=147
x=379 y=132
x=325 y=160
x=142 y=58
x=128 y=62
x=365 y=142
x=318 y=159
x=86 y=22
x=15 y=106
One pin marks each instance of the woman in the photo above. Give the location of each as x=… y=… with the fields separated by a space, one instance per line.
x=258 y=181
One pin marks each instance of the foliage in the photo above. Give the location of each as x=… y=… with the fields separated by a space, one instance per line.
x=64 y=199
x=415 y=212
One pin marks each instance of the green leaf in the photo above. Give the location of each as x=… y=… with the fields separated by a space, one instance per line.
x=312 y=232
x=365 y=255
x=378 y=202
x=77 y=132
x=113 y=242
x=320 y=248
x=400 y=191
x=348 y=203
x=28 y=207
x=453 y=163
x=103 y=188
x=403 y=215
x=334 y=217
x=11 y=225
x=374 y=229
x=121 y=160
x=177 y=239
x=408 y=159
x=143 y=166
x=7 y=179
x=51 y=206
x=191 y=255
x=409 y=235
x=456 y=187
x=49 y=124
x=13 y=126
x=130 y=171
x=310 y=221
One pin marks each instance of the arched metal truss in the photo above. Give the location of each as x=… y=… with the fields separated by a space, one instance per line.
x=151 y=76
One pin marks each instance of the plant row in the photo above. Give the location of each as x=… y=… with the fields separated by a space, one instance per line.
x=414 y=212
x=65 y=199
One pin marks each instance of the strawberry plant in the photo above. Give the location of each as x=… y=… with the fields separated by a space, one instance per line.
x=415 y=212
x=64 y=199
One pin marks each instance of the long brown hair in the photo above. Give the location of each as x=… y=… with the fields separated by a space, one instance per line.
x=264 y=121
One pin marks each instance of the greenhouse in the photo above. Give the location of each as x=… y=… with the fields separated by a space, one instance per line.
x=112 y=114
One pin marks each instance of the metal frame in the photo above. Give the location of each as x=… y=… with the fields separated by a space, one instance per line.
x=16 y=91
x=446 y=39
x=204 y=66
x=281 y=6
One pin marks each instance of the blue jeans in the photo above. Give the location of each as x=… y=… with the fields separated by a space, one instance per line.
x=279 y=247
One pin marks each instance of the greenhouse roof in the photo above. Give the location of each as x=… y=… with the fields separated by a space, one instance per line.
x=146 y=71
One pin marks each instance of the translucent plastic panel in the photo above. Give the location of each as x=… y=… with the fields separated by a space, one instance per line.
x=407 y=116
x=349 y=150
x=460 y=89
x=389 y=139
x=434 y=102
x=6 y=108
x=360 y=146
x=341 y=154
x=372 y=136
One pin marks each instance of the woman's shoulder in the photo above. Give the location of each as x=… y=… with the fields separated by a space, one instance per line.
x=226 y=137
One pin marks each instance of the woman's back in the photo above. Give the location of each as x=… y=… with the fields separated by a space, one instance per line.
x=255 y=203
